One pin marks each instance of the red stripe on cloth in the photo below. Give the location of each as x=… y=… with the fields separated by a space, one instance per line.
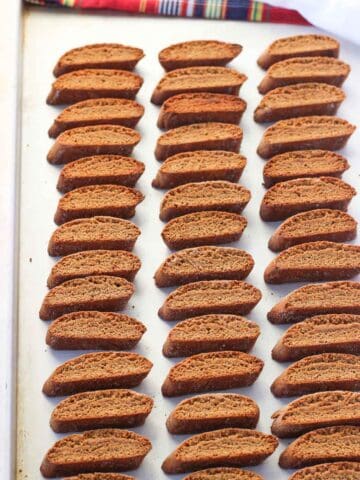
x=282 y=15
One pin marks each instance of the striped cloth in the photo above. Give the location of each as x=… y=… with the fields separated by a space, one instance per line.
x=216 y=9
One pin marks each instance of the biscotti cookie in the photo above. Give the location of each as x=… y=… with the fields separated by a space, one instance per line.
x=213 y=411
x=200 y=196
x=108 y=233
x=91 y=330
x=338 y=333
x=102 y=476
x=312 y=45
x=212 y=371
x=329 y=444
x=312 y=226
x=299 y=100
x=211 y=333
x=324 y=132
x=97 y=371
x=229 y=447
x=101 y=409
x=188 y=108
x=314 y=261
x=101 y=450
x=222 y=473
x=100 y=170
x=93 y=140
x=324 y=471
x=203 y=228
x=197 y=136
x=305 y=70
x=212 y=296
x=98 y=200
x=326 y=371
x=303 y=163
x=204 y=263
x=285 y=199
x=198 y=52
x=89 y=83
x=199 y=166
x=310 y=300
x=196 y=80
x=98 y=111
x=96 y=292
x=324 y=409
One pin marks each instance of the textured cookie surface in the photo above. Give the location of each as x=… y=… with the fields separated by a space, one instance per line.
x=98 y=111
x=212 y=296
x=320 y=334
x=90 y=83
x=317 y=410
x=94 y=330
x=212 y=411
x=99 y=55
x=195 y=197
x=314 y=225
x=223 y=473
x=326 y=371
x=100 y=476
x=323 y=445
x=101 y=450
x=199 y=166
x=203 y=228
x=310 y=300
x=312 y=132
x=198 y=79
x=229 y=447
x=101 y=409
x=324 y=471
x=96 y=292
x=98 y=232
x=97 y=371
x=212 y=371
x=302 y=194
x=198 y=136
x=209 y=333
x=198 y=52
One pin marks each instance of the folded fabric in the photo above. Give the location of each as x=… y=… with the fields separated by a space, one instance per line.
x=216 y=9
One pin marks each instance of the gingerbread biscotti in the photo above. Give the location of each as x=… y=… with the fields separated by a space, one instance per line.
x=211 y=333
x=212 y=296
x=97 y=371
x=212 y=371
x=92 y=140
x=92 y=330
x=222 y=473
x=103 y=450
x=98 y=111
x=199 y=166
x=198 y=52
x=305 y=133
x=200 y=196
x=96 y=292
x=305 y=70
x=212 y=411
x=198 y=79
x=312 y=226
x=229 y=447
x=317 y=410
x=312 y=45
x=324 y=471
x=94 y=233
x=101 y=409
x=331 y=444
x=89 y=83
x=336 y=332
x=288 y=198
x=188 y=108
x=203 y=228
x=100 y=476
x=326 y=371
x=198 y=136
x=317 y=299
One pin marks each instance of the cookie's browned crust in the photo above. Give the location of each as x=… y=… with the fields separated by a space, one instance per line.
x=101 y=476
x=324 y=471
x=222 y=473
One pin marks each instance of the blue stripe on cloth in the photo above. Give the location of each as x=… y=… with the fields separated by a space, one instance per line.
x=237 y=9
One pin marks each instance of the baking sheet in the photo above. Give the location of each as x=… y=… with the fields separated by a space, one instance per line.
x=47 y=35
